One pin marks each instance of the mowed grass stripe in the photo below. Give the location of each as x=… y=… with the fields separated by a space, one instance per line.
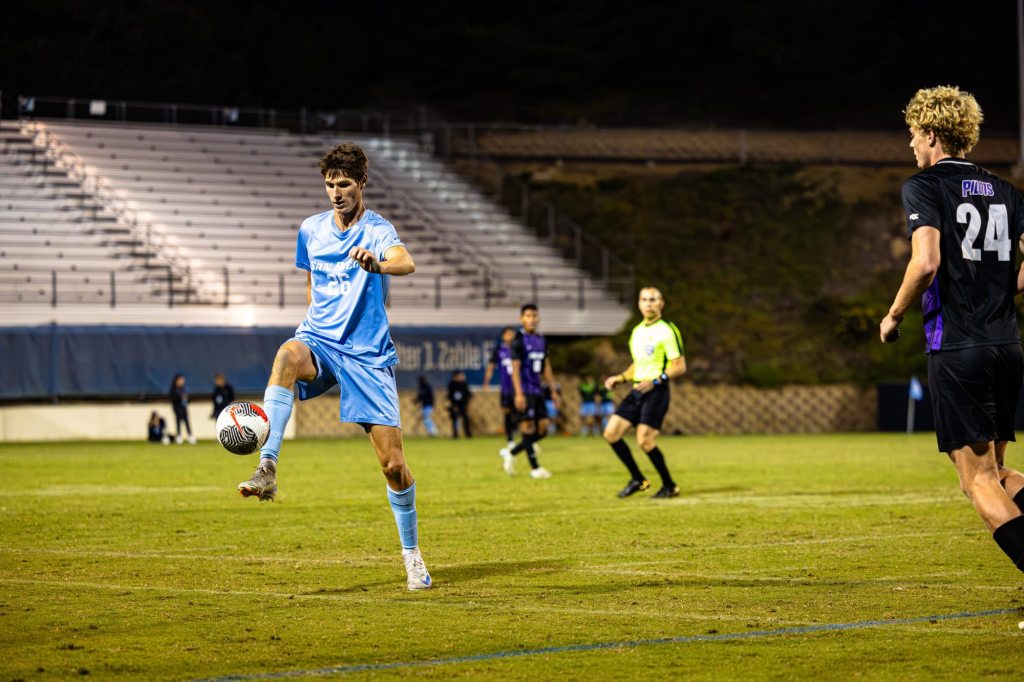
x=597 y=646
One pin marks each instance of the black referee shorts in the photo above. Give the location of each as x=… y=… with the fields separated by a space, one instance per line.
x=645 y=408
x=974 y=394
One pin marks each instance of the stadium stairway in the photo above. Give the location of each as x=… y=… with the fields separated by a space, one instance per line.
x=215 y=212
x=52 y=229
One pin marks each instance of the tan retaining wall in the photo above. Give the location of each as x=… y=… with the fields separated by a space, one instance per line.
x=694 y=409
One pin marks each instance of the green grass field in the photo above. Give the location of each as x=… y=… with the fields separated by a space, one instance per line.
x=136 y=561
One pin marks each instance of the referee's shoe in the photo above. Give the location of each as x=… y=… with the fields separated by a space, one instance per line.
x=666 y=492
x=634 y=486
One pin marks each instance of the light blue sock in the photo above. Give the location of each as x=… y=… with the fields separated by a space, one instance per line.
x=403 y=504
x=277 y=403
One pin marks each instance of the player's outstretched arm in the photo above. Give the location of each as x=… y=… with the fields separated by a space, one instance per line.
x=397 y=261
x=924 y=262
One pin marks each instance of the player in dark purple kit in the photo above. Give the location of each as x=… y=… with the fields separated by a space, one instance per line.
x=530 y=370
x=964 y=223
x=501 y=359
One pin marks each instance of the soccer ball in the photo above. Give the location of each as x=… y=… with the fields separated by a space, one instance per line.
x=242 y=428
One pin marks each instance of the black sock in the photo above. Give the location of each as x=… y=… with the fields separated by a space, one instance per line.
x=1018 y=499
x=521 y=445
x=510 y=427
x=658 y=460
x=626 y=457
x=1010 y=538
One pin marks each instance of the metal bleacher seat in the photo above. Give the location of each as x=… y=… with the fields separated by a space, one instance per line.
x=221 y=207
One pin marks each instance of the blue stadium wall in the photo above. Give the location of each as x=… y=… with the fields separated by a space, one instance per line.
x=72 y=362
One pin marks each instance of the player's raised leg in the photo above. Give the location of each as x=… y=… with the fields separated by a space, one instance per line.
x=387 y=443
x=980 y=482
x=293 y=362
x=613 y=434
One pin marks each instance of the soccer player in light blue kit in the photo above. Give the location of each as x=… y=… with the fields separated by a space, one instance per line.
x=348 y=253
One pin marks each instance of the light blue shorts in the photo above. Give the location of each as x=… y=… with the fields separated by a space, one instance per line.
x=588 y=409
x=607 y=408
x=368 y=394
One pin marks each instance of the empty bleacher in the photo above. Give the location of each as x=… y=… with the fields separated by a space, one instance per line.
x=214 y=213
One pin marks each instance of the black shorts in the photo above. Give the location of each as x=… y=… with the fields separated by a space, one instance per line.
x=535 y=410
x=974 y=394
x=645 y=408
x=508 y=401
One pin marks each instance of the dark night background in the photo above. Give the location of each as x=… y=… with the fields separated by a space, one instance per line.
x=809 y=64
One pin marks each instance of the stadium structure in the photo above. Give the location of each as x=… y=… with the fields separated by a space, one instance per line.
x=135 y=249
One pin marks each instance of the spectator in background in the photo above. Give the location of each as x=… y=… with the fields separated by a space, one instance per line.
x=552 y=406
x=179 y=403
x=588 y=406
x=157 y=429
x=607 y=406
x=458 y=403
x=223 y=394
x=425 y=399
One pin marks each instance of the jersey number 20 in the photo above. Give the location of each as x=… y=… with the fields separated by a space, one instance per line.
x=997 y=230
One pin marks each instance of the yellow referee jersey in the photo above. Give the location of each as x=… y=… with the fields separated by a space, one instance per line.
x=653 y=347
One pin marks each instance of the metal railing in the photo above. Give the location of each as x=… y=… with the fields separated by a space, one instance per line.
x=457 y=143
x=117 y=288
x=563 y=233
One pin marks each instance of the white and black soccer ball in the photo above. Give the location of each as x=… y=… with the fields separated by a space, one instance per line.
x=242 y=428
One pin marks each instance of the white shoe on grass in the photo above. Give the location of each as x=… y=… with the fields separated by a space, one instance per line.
x=416 y=570
x=508 y=461
x=540 y=472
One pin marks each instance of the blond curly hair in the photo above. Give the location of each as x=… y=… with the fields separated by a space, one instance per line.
x=952 y=114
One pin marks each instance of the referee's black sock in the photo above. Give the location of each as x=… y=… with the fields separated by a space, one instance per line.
x=1010 y=538
x=1018 y=499
x=658 y=460
x=626 y=457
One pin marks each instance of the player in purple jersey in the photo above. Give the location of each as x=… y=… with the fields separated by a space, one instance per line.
x=531 y=369
x=501 y=359
x=968 y=281
x=344 y=340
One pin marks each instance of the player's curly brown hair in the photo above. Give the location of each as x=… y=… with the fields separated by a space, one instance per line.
x=952 y=114
x=347 y=159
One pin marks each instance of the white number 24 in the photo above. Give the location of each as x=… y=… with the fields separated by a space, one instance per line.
x=997 y=230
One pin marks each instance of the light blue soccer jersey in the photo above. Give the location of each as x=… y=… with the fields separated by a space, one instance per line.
x=347 y=310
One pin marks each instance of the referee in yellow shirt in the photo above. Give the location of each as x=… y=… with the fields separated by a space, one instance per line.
x=657 y=350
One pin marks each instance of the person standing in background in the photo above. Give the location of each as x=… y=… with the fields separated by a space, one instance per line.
x=458 y=403
x=179 y=403
x=223 y=394
x=425 y=399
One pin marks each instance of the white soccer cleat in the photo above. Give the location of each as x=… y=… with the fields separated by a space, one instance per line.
x=416 y=570
x=508 y=461
x=540 y=472
x=191 y=440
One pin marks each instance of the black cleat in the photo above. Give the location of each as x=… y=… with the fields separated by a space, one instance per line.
x=634 y=487
x=666 y=492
